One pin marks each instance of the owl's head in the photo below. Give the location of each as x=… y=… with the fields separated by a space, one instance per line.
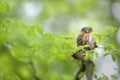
x=86 y=30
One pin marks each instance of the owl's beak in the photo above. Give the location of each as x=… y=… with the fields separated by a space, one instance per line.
x=87 y=31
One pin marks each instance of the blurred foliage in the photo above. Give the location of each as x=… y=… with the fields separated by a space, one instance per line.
x=50 y=53
x=27 y=52
x=19 y=42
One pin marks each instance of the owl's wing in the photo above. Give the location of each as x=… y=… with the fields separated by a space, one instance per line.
x=91 y=42
x=79 y=39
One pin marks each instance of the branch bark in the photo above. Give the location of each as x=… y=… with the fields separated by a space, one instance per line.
x=87 y=65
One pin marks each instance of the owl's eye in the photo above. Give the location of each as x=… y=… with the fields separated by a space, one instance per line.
x=83 y=30
x=87 y=29
x=91 y=29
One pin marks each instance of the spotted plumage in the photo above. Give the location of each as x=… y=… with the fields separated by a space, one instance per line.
x=83 y=37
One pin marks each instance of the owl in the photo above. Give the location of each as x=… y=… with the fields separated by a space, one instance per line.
x=85 y=37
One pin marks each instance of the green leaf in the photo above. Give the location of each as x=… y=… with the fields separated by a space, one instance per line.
x=39 y=29
x=114 y=77
x=4 y=6
x=113 y=57
x=82 y=74
x=106 y=54
x=95 y=76
x=105 y=77
x=100 y=78
x=7 y=6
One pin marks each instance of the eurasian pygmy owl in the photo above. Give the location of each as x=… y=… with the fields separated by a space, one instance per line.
x=85 y=37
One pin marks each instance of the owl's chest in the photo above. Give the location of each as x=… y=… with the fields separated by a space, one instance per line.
x=83 y=39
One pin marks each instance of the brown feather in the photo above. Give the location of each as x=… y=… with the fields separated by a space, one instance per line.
x=82 y=39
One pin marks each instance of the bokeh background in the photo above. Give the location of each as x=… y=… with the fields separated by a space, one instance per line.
x=38 y=37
